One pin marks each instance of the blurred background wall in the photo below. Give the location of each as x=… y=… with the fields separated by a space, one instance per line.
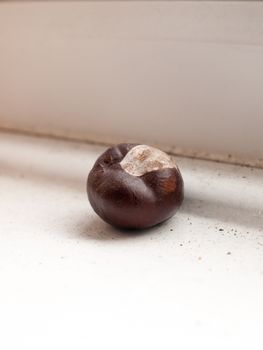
x=184 y=74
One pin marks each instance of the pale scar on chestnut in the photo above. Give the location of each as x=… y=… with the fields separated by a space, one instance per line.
x=143 y=159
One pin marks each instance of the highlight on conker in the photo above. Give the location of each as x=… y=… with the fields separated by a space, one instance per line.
x=135 y=186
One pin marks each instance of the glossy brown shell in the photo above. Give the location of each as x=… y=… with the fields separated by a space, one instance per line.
x=128 y=201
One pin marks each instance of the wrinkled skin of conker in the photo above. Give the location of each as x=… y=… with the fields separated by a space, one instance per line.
x=132 y=202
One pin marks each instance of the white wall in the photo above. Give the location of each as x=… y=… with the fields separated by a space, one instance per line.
x=181 y=73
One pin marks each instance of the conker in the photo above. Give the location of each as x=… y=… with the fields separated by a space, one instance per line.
x=135 y=186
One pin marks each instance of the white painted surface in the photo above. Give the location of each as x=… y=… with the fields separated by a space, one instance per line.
x=182 y=73
x=69 y=281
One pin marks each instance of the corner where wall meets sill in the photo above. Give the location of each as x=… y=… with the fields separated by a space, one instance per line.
x=111 y=140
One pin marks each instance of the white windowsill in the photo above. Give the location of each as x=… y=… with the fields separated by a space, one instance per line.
x=68 y=280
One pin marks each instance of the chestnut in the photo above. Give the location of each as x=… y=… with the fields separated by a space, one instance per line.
x=135 y=186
